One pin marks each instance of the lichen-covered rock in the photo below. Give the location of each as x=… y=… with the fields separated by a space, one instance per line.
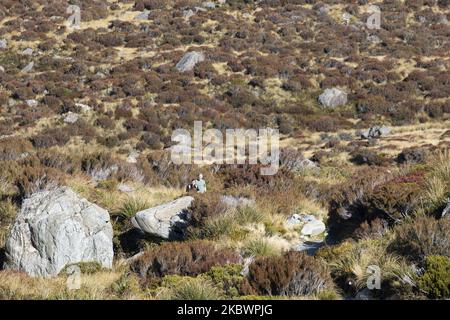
x=167 y=221
x=332 y=98
x=58 y=228
x=189 y=60
x=375 y=132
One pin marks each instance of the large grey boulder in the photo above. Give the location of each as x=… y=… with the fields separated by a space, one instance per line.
x=167 y=221
x=189 y=60
x=332 y=98
x=58 y=228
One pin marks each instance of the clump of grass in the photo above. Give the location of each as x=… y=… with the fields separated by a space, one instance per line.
x=259 y=248
x=7 y=214
x=247 y=214
x=188 y=288
x=131 y=206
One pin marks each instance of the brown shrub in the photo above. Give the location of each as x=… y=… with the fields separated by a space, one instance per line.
x=14 y=148
x=293 y=274
x=421 y=237
x=181 y=258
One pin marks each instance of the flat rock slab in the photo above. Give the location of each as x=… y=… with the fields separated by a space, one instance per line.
x=167 y=221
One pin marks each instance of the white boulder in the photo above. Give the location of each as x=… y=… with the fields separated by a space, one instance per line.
x=332 y=98
x=189 y=60
x=167 y=221
x=58 y=228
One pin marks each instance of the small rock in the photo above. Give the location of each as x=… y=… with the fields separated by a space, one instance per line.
x=32 y=103
x=125 y=188
x=101 y=174
x=27 y=52
x=189 y=60
x=3 y=44
x=209 y=5
x=313 y=228
x=83 y=107
x=293 y=220
x=142 y=15
x=28 y=68
x=332 y=98
x=296 y=219
x=132 y=157
x=2 y=69
x=310 y=247
x=374 y=39
x=167 y=221
x=236 y=202
x=70 y=117
x=375 y=132
x=446 y=211
x=188 y=13
x=364 y=294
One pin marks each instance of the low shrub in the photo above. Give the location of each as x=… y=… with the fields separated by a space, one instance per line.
x=227 y=278
x=436 y=279
x=293 y=274
x=186 y=288
x=421 y=237
x=181 y=258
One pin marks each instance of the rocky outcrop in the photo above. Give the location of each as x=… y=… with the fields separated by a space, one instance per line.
x=167 y=221
x=332 y=98
x=375 y=132
x=58 y=228
x=189 y=60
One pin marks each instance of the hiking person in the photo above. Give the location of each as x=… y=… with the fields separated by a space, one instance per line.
x=201 y=184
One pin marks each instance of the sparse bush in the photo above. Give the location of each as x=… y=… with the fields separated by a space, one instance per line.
x=181 y=258
x=421 y=237
x=293 y=274
x=436 y=279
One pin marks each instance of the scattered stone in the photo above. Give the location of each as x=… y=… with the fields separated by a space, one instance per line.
x=190 y=59
x=296 y=219
x=58 y=228
x=83 y=107
x=375 y=132
x=313 y=228
x=142 y=15
x=446 y=211
x=132 y=157
x=332 y=98
x=3 y=44
x=70 y=117
x=310 y=247
x=125 y=188
x=323 y=10
x=2 y=69
x=374 y=39
x=32 y=103
x=167 y=221
x=246 y=265
x=236 y=202
x=209 y=5
x=27 y=52
x=101 y=174
x=28 y=68
x=364 y=294
x=188 y=13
